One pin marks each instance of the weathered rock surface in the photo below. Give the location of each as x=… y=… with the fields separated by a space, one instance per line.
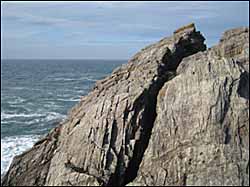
x=198 y=116
x=201 y=133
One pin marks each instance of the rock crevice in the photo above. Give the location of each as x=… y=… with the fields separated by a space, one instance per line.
x=196 y=132
x=166 y=72
x=167 y=117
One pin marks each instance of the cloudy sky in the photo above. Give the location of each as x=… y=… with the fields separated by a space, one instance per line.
x=107 y=30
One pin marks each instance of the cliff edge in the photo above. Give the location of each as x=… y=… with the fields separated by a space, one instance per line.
x=175 y=114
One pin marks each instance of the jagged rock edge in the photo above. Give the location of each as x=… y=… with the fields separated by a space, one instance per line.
x=166 y=72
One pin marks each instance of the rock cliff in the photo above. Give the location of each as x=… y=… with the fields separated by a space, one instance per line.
x=175 y=114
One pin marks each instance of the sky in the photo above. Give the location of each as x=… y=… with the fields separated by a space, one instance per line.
x=107 y=30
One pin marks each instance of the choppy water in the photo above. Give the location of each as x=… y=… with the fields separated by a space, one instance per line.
x=35 y=94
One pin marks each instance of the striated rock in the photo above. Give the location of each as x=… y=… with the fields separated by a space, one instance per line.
x=198 y=116
x=235 y=44
x=201 y=133
x=108 y=131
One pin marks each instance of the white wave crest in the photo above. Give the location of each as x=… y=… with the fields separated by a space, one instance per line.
x=39 y=117
x=54 y=116
x=88 y=79
x=64 y=79
x=75 y=79
x=14 y=145
x=70 y=99
x=17 y=100
x=5 y=116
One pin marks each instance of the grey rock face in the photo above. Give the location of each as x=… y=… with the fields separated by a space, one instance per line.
x=201 y=133
x=198 y=116
x=235 y=44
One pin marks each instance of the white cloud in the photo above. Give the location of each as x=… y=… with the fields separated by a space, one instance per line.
x=28 y=18
x=113 y=23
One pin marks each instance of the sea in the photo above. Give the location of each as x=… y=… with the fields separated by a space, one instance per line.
x=37 y=94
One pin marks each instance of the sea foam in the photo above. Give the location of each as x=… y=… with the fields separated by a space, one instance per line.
x=5 y=116
x=13 y=146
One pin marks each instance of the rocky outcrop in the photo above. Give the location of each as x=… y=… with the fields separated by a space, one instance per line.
x=201 y=133
x=174 y=115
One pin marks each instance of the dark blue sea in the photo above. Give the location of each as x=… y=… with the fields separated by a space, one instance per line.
x=36 y=94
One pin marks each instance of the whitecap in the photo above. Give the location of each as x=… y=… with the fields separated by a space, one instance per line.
x=37 y=120
x=70 y=99
x=10 y=121
x=75 y=79
x=17 y=88
x=52 y=105
x=54 y=116
x=63 y=79
x=88 y=79
x=40 y=117
x=14 y=145
x=5 y=116
x=17 y=100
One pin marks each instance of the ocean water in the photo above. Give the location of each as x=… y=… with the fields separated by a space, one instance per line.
x=37 y=94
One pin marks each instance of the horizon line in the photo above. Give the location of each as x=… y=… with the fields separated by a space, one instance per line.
x=60 y=59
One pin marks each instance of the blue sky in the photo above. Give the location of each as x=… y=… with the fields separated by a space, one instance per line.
x=107 y=30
